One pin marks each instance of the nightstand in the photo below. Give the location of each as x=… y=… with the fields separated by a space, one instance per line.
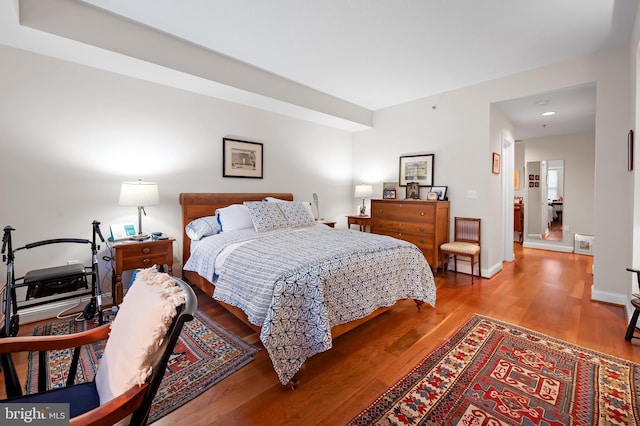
x=130 y=255
x=362 y=221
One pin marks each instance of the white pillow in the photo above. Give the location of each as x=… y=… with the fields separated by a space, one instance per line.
x=266 y=216
x=202 y=227
x=144 y=316
x=234 y=217
x=307 y=205
x=296 y=214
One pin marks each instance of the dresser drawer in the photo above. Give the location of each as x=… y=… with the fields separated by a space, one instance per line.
x=420 y=228
x=422 y=241
x=423 y=223
x=408 y=212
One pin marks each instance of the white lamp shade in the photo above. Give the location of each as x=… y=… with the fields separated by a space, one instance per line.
x=139 y=194
x=363 y=191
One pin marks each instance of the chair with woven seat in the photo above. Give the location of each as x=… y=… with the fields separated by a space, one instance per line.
x=140 y=341
x=633 y=323
x=466 y=243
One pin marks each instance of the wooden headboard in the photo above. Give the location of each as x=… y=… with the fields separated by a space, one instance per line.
x=195 y=205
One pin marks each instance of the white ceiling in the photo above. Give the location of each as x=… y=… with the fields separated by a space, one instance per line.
x=370 y=53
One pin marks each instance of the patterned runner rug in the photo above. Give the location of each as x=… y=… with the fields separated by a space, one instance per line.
x=494 y=373
x=205 y=354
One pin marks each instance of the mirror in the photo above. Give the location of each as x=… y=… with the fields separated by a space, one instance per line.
x=545 y=199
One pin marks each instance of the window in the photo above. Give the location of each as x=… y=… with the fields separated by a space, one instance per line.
x=552 y=186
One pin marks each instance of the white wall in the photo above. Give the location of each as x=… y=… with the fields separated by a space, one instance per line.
x=459 y=132
x=70 y=134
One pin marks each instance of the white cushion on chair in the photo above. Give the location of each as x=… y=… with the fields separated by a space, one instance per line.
x=461 y=247
x=138 y=329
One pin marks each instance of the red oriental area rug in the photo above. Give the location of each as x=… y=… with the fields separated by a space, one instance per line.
x=204 y=354
x=494 y=373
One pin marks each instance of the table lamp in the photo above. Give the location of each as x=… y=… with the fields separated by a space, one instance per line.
x=363 y=191
x=139 y=194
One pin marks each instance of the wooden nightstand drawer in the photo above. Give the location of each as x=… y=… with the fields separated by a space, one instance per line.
x=143 y=261
x=144 y=254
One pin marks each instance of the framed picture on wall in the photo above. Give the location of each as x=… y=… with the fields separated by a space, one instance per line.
x=416 y=168
x=241 y=159
x=583 y=244
x=495 y=163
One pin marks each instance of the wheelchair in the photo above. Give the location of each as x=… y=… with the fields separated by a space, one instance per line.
x=53 y=284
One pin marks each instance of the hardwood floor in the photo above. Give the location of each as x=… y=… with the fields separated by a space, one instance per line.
x=555 y=231
x=542 y=290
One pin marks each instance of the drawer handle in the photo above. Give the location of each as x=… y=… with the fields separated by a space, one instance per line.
x=421 y=229
x=379 y=210
x=421 y=241
x=146 y=250
x=421 y=213
x=146 y=261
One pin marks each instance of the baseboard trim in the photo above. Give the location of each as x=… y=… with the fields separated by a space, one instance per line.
x=547 y=246
x=608 y=297
x=53 y=309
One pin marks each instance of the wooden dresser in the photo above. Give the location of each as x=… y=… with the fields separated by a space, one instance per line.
x=423 y=223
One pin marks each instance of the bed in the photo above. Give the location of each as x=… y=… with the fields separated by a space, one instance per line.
x=330 y=282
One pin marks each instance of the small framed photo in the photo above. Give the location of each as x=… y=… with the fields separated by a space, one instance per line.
x=441 y=191
x=241 y=159
x=583 y=244
x=495 y=167
x=413 y=191
x=390 y=190
x=416 y=168
x=433 y=196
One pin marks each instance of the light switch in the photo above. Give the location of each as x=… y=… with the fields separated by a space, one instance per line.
x=472 y=193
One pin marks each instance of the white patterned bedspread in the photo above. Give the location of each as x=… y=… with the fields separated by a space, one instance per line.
x=297 y=284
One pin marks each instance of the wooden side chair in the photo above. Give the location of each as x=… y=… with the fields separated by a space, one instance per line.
x=633 y=323
x=140 y=341
x=466 y=243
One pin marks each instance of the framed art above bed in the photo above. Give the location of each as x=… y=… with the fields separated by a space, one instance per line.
x=241 y=159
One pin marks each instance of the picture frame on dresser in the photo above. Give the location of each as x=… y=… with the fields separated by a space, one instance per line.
x=413 y=191
x=441 y=191
x=416 y=168
x=390 y=190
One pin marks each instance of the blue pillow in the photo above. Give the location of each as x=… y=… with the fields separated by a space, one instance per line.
x=202 y=227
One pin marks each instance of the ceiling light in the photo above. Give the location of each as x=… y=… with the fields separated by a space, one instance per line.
x=548 y=113
x=542 y=103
